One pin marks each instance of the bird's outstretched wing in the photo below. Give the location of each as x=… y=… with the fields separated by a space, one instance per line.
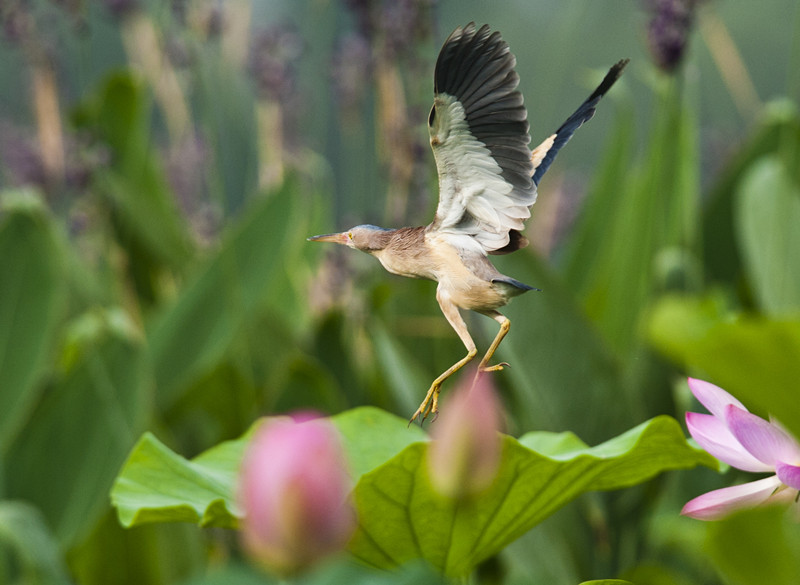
x=479 y=135
x=546 y=152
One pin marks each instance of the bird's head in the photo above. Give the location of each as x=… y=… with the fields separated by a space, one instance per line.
x=367 y=238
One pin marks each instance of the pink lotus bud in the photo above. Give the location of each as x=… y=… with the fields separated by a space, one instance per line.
x=465 y=452
x=294 y=491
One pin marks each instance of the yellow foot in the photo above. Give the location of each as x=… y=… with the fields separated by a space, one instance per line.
x=495 y=368
x=429 y=406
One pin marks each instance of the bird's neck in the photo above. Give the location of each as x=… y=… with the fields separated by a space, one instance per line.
x=379 y=240
x=406 y=253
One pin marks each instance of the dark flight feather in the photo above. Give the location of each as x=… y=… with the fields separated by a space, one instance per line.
x=581 y=115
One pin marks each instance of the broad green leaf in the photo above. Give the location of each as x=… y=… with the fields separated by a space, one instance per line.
x=155 y=554
x=158 y=485
x=402 y=518
x=190 y=337
x=24 y=533
x=140 y=206
x=767 y=217
x=754 y=358
x=553 y=444
x=401 y=373
x=372 y=436
x=350 y=572
x=32 y=293
x=226 y=109
x=656 y=211
x=603 y=202
x=307 y=383
x=234 y=574
x=144 y=213
x=334 y=571
x=82 y=429
x=333 y=338
x=756 y=546
x=547 y=554
x=549 y=388
x=778 y=129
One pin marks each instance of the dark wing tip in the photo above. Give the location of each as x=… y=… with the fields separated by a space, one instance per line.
x=476 y=67
x=586 y=110
x=583 y=114
x=610 y=79
x=457 y=56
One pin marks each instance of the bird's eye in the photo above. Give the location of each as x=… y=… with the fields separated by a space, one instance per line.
x=350 y=235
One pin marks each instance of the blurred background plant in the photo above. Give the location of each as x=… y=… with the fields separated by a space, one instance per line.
x=161 y=164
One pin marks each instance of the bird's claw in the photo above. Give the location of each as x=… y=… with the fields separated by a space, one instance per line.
x=416 y=416
x=429 y=407
x=494 y=368
x=422 y=414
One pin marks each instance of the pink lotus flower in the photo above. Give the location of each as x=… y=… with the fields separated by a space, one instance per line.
x=465 y=451
x=745 y=441
x=294 y=489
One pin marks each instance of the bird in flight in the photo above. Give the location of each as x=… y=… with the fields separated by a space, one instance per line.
x=488 y=178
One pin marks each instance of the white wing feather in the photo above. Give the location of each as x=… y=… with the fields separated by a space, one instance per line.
x=480 y=141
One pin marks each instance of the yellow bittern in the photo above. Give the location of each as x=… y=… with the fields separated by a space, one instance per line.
x=487 y=184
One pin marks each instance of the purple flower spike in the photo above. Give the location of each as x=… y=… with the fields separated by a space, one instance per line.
x=745 y=441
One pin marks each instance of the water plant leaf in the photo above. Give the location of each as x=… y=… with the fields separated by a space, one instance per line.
x=32 y=293
x=24 y=534
x=157 y=485
x=191 y=335
x=767 y=216
x=756 y=546
x=83 y=427
x=402 y=518
x=740 y=354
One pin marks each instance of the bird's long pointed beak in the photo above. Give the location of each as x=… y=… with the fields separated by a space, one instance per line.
x=340 y=238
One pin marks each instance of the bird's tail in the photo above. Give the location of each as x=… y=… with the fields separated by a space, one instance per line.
x=547 y=151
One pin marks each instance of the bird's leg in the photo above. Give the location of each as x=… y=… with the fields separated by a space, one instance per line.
x=505 y=325
x=430 y=406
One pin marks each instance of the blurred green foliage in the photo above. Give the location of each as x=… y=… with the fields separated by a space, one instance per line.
x=162 y=163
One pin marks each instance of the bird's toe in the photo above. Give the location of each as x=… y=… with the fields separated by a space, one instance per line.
x=495 y=368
